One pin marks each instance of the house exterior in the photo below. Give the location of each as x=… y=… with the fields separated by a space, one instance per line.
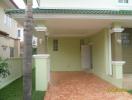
x=83 y=36
x=87 y=4
x=9 y=44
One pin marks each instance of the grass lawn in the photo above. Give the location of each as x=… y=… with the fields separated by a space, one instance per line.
x=14 y=91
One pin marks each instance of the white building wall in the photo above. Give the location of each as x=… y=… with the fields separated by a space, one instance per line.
x=8 y=26
x=85 y=4
x=5 y=44
x=11 y=26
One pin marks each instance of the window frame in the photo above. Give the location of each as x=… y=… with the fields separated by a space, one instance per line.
x=55 y=45
x=12 y=54
x=7 y=21
x=123 y=2
x=18 y=33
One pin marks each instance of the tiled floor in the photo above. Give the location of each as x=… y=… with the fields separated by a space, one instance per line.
x=82 y=86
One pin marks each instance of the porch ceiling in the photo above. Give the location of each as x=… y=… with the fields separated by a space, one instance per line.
x=64 y=27
x=79 y=27
x=74 y=27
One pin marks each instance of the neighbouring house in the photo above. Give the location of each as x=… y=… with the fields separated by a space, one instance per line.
x=20 y=35
x=83 y=36
x=9 y=43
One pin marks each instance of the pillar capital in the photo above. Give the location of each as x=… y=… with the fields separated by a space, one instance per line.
x=116 y=28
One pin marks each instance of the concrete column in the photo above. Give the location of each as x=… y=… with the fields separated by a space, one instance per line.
x=118 y=69
x=116 y=47
x=42 y=71
x=42 y=43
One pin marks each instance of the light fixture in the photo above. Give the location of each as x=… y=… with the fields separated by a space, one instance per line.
x=118 y=37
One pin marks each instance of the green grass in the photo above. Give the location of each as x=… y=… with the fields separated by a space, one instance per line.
x=14 y=91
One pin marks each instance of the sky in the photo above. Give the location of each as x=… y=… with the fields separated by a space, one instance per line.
x=21 y=4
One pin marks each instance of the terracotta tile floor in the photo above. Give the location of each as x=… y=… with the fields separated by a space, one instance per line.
x=81 y=86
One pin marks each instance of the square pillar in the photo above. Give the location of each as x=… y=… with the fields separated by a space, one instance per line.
x=42 y=43
x=116 y=47
x=118 y=69
x=42 y=71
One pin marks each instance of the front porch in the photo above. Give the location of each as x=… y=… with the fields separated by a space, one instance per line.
x=66 y=52
x=67 y=56
x=61 y=34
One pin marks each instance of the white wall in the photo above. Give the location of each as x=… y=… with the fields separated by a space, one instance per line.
x=15 y=67
x=86 y=4
x=8 y=26
x=8 y=42
x=10 y=29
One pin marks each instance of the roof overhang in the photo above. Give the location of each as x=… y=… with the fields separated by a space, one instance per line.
x=53 y=13
x=44 y=14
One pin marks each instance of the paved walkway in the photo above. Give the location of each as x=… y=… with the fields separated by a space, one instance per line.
x=82 y=86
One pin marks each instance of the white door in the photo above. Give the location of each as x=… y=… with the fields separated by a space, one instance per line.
x=86 y=57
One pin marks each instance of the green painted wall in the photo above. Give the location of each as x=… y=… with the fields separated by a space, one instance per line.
x=68 y=56
x=15 y=67
x=100 y=57
x=98 y=53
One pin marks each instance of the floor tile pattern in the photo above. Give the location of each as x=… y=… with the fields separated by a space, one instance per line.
x=82 y=86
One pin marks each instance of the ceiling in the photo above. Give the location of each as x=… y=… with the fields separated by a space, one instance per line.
x=78 y=27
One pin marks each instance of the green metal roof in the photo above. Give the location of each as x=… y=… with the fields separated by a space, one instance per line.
x=71 y=11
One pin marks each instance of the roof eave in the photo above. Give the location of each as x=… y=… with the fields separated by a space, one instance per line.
x=71 y=11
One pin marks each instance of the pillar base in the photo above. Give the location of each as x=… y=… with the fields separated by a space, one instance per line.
x=118 y=69
x=42 y=70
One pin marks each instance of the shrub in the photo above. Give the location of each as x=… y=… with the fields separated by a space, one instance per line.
x=4 y=71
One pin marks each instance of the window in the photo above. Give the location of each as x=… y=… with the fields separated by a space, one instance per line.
x=10 y=22
x=11 y=52
x=123 y=1
x=55 y=45
x=19 y=33
x=7 y=20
